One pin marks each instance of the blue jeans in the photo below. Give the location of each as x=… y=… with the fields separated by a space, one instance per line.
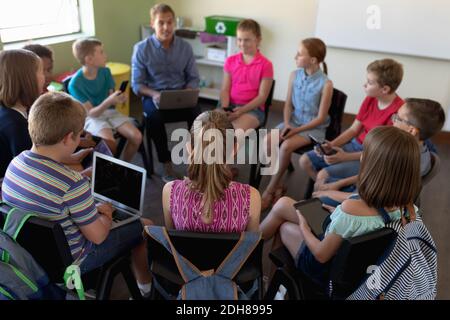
x=339 y=170
x=154 y=124
x=119 y=241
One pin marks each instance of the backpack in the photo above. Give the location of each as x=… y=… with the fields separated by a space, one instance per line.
x=21 y=278
x=209 y=285
x=408 y=268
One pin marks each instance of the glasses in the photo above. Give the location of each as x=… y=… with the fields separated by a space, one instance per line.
x=396 y=118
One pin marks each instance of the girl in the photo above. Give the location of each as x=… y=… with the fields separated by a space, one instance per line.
x=305 y=111
x=389 y=179
x=21 y=82
x=247 y=79
x=208 y=201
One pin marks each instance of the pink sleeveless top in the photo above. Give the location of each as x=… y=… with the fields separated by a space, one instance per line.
x=231 y=213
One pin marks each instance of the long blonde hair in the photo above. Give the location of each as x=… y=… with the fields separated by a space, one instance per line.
x=210 y=179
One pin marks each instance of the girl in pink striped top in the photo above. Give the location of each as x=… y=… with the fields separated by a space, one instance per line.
x=207 y=200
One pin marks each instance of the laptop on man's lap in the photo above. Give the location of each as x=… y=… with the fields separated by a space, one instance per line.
x=178 y=99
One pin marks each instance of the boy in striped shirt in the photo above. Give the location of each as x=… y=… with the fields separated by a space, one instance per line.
x=38 y=182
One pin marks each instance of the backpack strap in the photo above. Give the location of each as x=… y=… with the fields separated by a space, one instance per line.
x=187 y=270
x=231 y=265
x=15 y=219
x=383 y=213
x=14 y=222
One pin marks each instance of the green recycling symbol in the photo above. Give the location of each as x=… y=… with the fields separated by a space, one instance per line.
x=221 y=28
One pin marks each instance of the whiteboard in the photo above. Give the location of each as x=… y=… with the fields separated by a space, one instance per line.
x=409 y=27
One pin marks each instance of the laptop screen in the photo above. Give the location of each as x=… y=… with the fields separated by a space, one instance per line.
x=118 y=182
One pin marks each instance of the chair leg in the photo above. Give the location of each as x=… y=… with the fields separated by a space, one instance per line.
x=291 y=167
x=130 y=280
x=281 y=276
x=120 y=146
x=309 y=189
x=146 y=151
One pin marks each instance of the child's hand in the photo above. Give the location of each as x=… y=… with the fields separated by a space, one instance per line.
x=156 y=97
x=286 y=132
x=330 y=209
x=328 y=186
x=234 y=114
x=77 y=157
x=105 y=209
x=302 y=223
x=338 y=157
x=114 y=98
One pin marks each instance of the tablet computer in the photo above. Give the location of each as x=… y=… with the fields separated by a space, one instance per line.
x=314 y=214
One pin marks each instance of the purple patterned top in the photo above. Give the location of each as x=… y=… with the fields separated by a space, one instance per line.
x=231 y=213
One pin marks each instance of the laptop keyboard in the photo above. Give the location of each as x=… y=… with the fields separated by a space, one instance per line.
x=119 y=215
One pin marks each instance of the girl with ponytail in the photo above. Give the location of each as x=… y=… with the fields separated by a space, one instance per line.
x=208 y=200
x=305 y=111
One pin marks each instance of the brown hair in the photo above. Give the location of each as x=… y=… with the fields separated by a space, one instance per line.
x=53 y=116
x=209 y=179
x=250 y=25
x=18 y=81
x=390 y=168
x=317 y=49
x=81 y=48
x=160 y=8
x=388 y=71
x=40 y=50
x=426 y=115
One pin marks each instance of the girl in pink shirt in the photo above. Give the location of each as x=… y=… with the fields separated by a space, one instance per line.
x=247 y=79
x=207 y=200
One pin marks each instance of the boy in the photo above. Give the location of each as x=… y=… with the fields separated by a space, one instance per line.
x=93 y=86
x=46 y=55
x=422 y=118
x=383 y=79
x=37 y=181
x=163 y=61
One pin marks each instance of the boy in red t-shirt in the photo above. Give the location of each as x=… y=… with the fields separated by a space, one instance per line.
x=383 y=78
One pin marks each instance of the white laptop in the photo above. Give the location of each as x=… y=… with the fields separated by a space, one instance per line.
x=120 y=183
x=178 y=99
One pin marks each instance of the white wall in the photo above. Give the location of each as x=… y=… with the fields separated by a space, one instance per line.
x=285 y=22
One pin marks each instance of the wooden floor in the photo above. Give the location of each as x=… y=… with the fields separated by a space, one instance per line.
x=435 y=204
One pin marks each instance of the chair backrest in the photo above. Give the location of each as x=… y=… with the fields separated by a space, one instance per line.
x=65 y=82
x=52 y=251
x=336 y=112
x=354 y=257
x=206 y=251
x=434 y=169
x=268 y=103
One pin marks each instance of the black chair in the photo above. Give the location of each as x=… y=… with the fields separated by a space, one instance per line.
x=335 y=112
x=206 y=251
x=434 y=170
x=255 y=179
x=348 y=268
x=46 y=242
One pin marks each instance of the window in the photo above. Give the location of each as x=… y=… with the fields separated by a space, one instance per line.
x=22 y=20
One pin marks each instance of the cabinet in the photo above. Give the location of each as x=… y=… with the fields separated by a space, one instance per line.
x=211 y=71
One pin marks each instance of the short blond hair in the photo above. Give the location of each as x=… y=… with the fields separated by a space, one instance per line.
x=52 y=116
x=160 y=8
x=81 y=48
x=388 y=71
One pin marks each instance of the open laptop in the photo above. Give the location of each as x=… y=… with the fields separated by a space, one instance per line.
x=178 y=99
x=120 y=183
